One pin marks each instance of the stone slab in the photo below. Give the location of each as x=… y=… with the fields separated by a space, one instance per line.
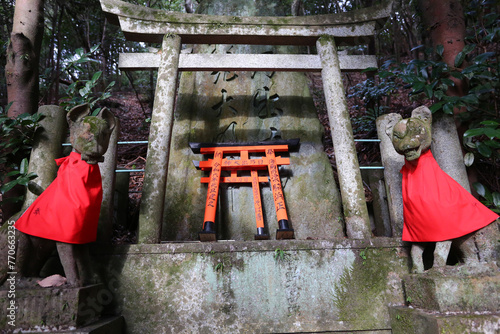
x=61 y=307
x=244 y=62
x=455 y=289
x=405 y=320
x=107 y=325
x=149 y=25
x=256 y=286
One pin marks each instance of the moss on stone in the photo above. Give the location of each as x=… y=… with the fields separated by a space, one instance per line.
x=364 y=281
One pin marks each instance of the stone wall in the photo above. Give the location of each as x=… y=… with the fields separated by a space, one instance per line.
x=256 y=287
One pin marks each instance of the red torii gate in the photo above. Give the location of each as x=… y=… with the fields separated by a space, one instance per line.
x=270 y=162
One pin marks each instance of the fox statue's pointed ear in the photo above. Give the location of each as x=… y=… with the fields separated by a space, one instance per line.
x=106 y=115
x=393 y=119
x=77 y=113
x=422 y=113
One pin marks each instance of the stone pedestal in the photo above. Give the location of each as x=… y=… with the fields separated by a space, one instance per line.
x=462 y=290
x=406 y=320
x=51 y=309
x=461 y=299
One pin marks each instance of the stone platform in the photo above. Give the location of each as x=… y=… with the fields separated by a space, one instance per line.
x=61 y=307
x=31 y=308
x=455 y=289
x=459 y=299
x=405 y=320
x=293 y=286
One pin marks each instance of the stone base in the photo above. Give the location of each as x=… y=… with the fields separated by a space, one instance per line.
x=109 y=325
x=272 y=286
x=455 y=289
x=56 y=308
x=406 y=320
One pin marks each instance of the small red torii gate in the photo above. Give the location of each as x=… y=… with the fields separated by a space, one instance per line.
x=269 y=162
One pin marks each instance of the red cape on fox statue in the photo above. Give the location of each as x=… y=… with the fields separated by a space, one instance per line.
x=68 y=210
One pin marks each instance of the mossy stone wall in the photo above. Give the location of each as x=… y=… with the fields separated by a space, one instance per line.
x=255 y=287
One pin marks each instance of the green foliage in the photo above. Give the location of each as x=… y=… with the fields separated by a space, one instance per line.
x=484 y=141
x=488 y=139
x=490 y=199
x=82 y=90
x=22 y=177
x=429 y=80
x=370 y=92
x=219 y=267
x=280 y=255
x=363 y=256
x=17 y=137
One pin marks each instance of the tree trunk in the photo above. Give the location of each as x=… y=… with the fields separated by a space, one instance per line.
x=22 y=57
x=445 y=22
x=21 y=72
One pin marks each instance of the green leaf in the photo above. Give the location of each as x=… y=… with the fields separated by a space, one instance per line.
x=448 y=82
x=23 y=180
x=468 y=48
x=469 y=159
x=459 y=59
x=23 y=168
x=96 y=112
x=496 y=199
x=418 y=86
x=492 y=133
x=480 y=189
x=440 y=50
x=484 y=56
x=94 y=48
x=469 y=99
x=490 y=123
x=8 y=186
x=437 y=106
x=493 y=144
x=439 y=94
x=12 y=173
x=469 y=143
x=448 y=108
x=484 y=149
x=474 y=132
x=456 y=74
x=428 y=91
x=96 y=76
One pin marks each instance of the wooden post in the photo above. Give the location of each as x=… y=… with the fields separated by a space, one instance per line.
x=208 y=233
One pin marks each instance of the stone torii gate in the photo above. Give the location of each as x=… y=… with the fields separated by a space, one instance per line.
x=173 y=29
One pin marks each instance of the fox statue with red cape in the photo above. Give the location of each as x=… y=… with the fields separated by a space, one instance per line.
x=436 y=208
x=68 y=210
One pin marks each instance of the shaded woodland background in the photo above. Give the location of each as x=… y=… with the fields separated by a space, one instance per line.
x=78 y=55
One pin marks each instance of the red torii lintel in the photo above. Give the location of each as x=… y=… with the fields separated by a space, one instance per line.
x=268 y=162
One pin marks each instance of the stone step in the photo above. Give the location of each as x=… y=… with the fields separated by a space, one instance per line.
x=455 y=289
x=30 y=306
x=106 y=325
x=405 y=320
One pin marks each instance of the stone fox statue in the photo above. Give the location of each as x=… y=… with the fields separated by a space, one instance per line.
x=67 y=212
x=435 y=207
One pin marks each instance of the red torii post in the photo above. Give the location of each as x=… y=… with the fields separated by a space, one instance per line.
x=269 y=162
